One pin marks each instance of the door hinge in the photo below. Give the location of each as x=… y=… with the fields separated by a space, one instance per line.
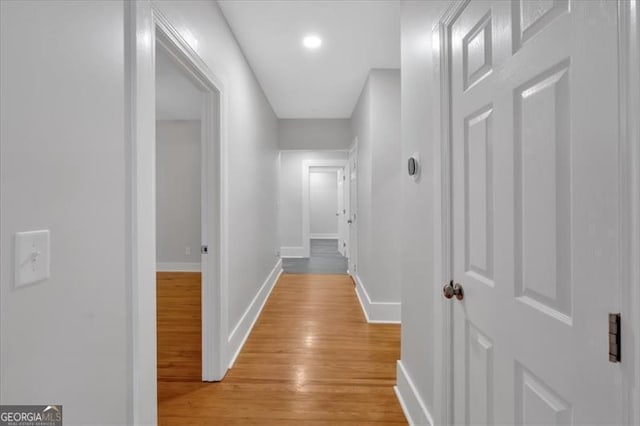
x=614 y=338
x=204 y=249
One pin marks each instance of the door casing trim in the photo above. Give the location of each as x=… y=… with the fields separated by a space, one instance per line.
x=443 y=339
x=145 y=24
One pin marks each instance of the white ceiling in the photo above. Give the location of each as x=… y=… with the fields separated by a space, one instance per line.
x=177 y=98
x=324 y=83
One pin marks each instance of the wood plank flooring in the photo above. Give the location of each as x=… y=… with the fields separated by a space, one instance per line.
x=311 y=359
x=324 y=259
x=179 y=326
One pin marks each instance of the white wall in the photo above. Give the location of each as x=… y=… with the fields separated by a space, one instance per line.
x=178 y=191
x=421 y=243
x=63 y=154
x=290 y=196
x=323 y=204
x=314 y=134
x=252 y=152
x=177 y=98
x=64 y=165
x=376 y=124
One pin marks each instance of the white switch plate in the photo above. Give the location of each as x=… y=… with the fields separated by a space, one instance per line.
x=32 y=257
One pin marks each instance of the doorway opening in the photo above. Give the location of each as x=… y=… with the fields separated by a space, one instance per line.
x=324 y=219
x=351 y=209
x=178 y=222
x=190 y=214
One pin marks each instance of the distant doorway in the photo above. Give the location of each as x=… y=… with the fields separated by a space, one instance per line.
x=313 y=194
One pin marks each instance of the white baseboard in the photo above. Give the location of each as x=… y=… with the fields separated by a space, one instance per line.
x=323 y=236
x=414 y=409
x=241 y=331
x=377 y=312
x=178 y=267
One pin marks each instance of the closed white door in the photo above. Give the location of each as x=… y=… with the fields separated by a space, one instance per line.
x=535 y=212
x=340 y=213
x=352 y=220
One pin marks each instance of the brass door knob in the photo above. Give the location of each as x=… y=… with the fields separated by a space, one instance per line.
x=450 y=290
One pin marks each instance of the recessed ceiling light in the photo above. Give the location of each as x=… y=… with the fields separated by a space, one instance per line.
x=312 y=42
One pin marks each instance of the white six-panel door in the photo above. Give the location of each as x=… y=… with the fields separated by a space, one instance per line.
x=352 y=246
x=535 y=147
x=342 y=221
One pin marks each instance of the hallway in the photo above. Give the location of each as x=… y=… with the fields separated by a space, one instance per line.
x=178 y=179
x=311 y=359
x=325 y=259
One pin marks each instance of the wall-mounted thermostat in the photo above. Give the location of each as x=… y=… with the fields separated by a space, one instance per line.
x=413 y=166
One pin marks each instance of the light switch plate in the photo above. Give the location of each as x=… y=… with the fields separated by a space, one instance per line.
x=32 y=256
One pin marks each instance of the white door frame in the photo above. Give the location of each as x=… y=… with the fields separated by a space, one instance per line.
x=629 y=66
x=145 y=25
x=306 y=222
x=352 y=209
x=629 y=93
x=341 y=175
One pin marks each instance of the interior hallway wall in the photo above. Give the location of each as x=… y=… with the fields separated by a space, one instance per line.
x=63 y=155
x=290 y=196
x=178 y=195
x=323 y=204
x=376 y=124
x=314 y=133
x=421 y=296
x=68 y=340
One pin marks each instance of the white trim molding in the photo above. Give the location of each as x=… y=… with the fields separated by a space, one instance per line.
x=377 y=312
x=241 y=331
x=214 y=265
x=291 y=252
x=145 y=27
x=629 y=159
x=443 y=271
x=323 y=236
x=178 y=267
x=141 y=214
x=412 y=405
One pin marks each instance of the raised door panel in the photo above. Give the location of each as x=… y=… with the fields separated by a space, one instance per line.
x=479 y=381
x=542 y=191
x=530 y=17
x=479 y=195
x=537 y=403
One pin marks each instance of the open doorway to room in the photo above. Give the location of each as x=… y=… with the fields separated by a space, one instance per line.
x=190 y=216
x=178 y=222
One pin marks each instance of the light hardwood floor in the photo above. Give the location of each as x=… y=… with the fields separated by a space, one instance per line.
x=325 y=259
x=311 y=359
x=179 y=326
